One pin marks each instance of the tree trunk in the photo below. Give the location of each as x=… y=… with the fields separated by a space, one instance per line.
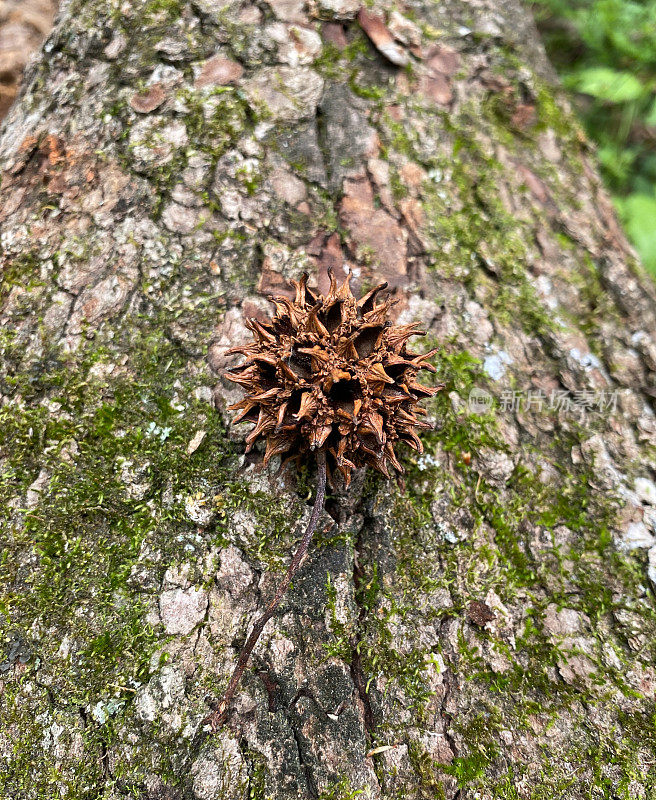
x=486 y=628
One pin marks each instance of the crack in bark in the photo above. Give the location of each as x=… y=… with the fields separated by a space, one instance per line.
x=49 y=692
x=356 y=669
x=445 y=716
x=310 y=783
x=347 y=507
x=102 y=742
x=203 y=624
x=271 y=687
x=303 y=692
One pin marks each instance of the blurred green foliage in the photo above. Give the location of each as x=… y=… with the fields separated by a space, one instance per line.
x=605 y=52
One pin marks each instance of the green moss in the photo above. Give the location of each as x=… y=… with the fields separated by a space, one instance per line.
x=210 y=132
x=213 y=134
x=535 y=316
x=73 y=561
x=341 y=790
x=249 y=179
x=475 y=239
x=595 y=305
x=399 y=189
x=331 y=62
x=168 y=8
x=23 y=271
x=353 y=65
x=86 y=531
x=415 y=542
x=428 y=774
x=591 y=558
x=257 y=774
x=552 y=115
x=577 y=578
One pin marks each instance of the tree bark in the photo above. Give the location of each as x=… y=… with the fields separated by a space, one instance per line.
x=486 y=628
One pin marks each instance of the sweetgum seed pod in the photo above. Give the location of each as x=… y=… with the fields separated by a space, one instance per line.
x=332 y=372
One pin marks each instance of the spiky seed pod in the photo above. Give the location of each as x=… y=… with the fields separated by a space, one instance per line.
x=332 y=372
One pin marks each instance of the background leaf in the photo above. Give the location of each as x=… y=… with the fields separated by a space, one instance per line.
x=638 y=213
x=608 y=84
x=605 y=51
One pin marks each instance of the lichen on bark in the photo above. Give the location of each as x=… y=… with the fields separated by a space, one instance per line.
x=486 y=629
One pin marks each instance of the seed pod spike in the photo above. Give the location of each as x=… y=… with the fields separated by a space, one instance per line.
x=314 y=323
x=286 y=370
x=332 y=291
x=246 y=410
x=391 y=457
x=241 y=349
x=244 y=380
x=411 y=438
x=281 y=416
x=284 y=308
x=299 y=300
x=308 y=406
x=345 y=292
x=366 y=302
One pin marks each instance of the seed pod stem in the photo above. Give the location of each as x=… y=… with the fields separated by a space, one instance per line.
x=219 y=716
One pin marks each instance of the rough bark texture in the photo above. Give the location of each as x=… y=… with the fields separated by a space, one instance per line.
x=488 y=629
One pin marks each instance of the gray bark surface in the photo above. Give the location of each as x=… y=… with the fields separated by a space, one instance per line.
x=485 y=628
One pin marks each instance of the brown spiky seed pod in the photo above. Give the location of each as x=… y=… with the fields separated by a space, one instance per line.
x=332 y=372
